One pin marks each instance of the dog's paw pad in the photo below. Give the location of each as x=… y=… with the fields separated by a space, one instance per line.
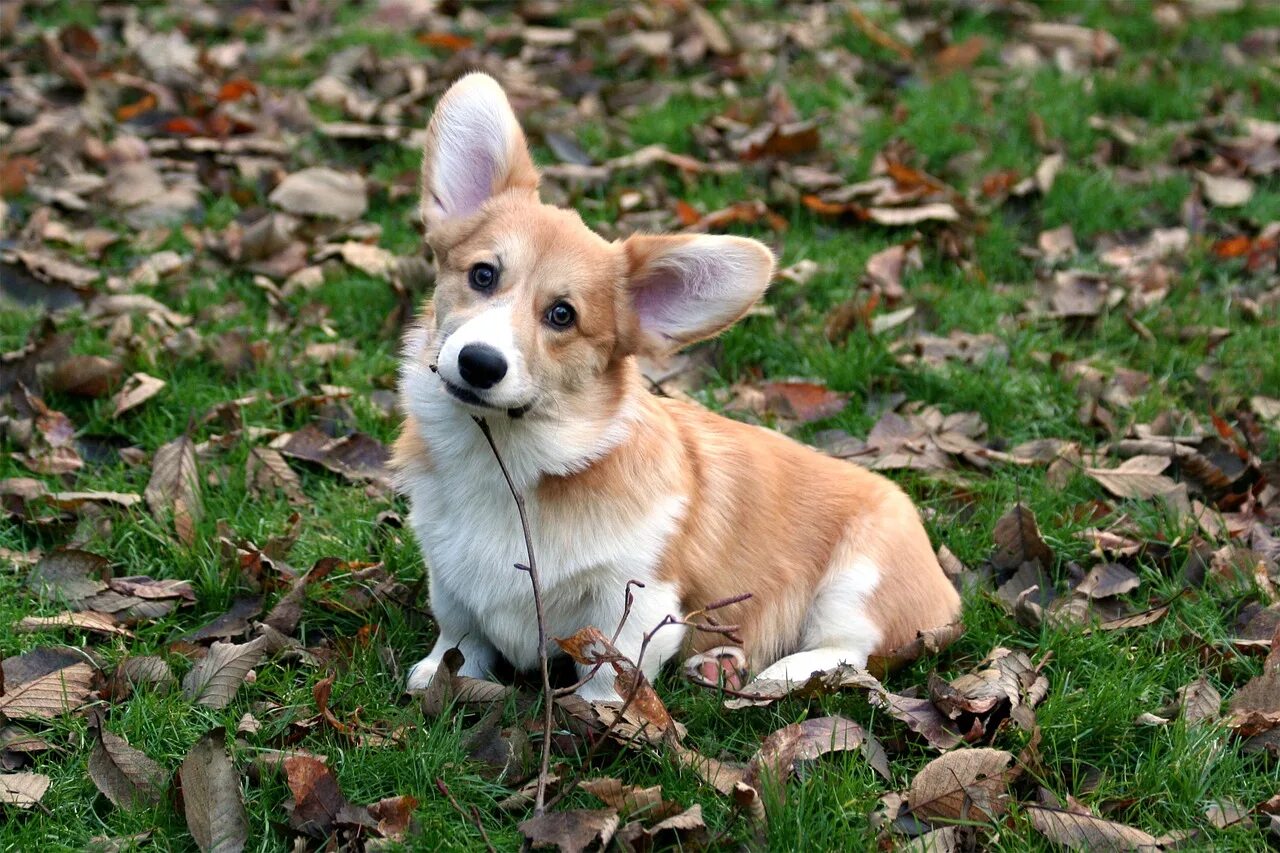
x=724 y=665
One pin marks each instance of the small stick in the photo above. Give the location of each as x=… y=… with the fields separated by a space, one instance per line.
x=475 y=813
x=540 y=798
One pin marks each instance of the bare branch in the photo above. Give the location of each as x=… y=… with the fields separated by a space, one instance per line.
x=540 y=798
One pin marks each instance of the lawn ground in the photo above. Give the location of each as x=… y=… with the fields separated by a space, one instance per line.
x=1134 y=127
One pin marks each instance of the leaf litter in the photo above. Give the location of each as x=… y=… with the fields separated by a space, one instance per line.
x=177 y=116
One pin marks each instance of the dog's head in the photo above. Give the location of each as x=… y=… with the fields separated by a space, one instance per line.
x=532 y=309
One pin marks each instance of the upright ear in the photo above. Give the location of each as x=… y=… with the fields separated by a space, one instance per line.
x=474 y=151
x=686 y=288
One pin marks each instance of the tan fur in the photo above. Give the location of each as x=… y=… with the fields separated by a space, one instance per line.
x=764 y=514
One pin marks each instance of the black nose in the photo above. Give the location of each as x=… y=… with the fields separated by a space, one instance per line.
x=481 y=365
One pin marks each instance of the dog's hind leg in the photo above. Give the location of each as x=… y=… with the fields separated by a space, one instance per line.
x=838 y=625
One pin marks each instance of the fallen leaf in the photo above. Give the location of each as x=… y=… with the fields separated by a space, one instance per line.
x=216 y=677
x=1018 y=541
x=284 y=617
x=85 y=376
x=628 y=799
x=1106 y=580
x=803 y=401
x=1225 y=191
x=211 y=799
x=1086 y=832
x=68 y=576
x=318 y=804
x=322 y=192
x=571 y=831
x=174 y=486
x=821 y=735
x=85 y=620
x=138 y=389
x=1136 y=477
x=966 y=784
x=23 y=790
x=1198 y=702
x=137 y=670
x=50 y=695
x=234 y=622
x=125 y=775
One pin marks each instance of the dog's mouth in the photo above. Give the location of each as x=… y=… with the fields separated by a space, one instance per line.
x=471 y=398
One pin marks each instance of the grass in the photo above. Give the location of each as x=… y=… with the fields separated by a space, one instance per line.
x=1158 y=778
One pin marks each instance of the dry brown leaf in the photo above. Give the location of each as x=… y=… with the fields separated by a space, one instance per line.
x=965 y=784
x=175 y=486
x=85 y=376
x=84 y=620
x=211 y=800
x=1136 y=477
x=803 y=401
x=820 y=735
x=628 y=799
x=23 y=790
x=1018 y=541
x=138 y=389
x=1086 y=832
x=572 y=830
x=216 y=677
x=50 y=695
x=125 y=775
x=1106 y=580
x=322 y=192
x=1225 y=191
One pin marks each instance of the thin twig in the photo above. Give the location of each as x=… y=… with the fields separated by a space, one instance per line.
x=628 y=600
x=544 y=768
x=474 y=814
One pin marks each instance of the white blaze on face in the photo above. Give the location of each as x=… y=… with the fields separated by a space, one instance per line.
x=491 y=328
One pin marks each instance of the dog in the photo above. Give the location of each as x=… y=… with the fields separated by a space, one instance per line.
x=535 y=325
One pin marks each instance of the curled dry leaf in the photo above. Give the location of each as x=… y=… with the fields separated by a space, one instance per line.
x=927 y=642
x=125 y=775
x=211 y=796
x=965 y=784
x=685 y=830
x=629 y=799
x=138 y=389
x=765 y=691
x=590 y=647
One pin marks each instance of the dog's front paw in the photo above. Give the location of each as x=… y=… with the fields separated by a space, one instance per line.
x=421 y=674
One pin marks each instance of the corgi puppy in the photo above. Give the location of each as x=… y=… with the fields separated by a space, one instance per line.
x=535 y=325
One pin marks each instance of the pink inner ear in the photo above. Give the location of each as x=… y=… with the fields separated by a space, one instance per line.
x=465 y=173
x=659 y=300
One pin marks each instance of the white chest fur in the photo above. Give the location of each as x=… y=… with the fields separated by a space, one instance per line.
x=469 y=529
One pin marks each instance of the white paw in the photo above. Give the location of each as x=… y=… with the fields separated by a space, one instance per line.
x=421 y=674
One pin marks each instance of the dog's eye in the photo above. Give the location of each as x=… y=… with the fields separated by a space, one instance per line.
x=561 y=315
x=483 y=277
